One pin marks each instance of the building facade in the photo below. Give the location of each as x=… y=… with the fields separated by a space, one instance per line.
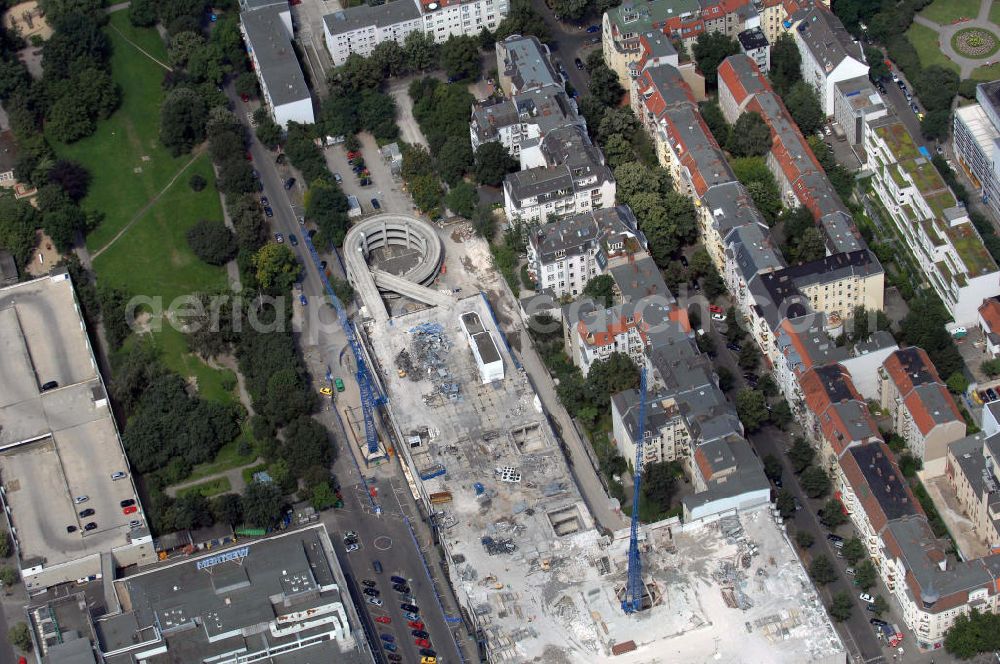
x=829 y=53
x=977 y=142
x=267 y=32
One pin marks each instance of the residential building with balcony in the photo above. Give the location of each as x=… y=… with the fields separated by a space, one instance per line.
x=755 y=45
x=523 y=64
x=522 y=122
x=856 y=102
x=977 y=142
x=574 y=179
x=749 y=252
x=829 y=53
x=564 y=255
x=971 y=469
x=934 y=226
x=360 y=29
x=837 y=414
x=922 y=409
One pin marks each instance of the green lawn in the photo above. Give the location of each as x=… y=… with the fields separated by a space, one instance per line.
x=925 y=41
x=946 y=12
x=209 y=488
x=995 y=13
x=986 y=72
x=128 y=140
x=228 y=457
x=152 y=258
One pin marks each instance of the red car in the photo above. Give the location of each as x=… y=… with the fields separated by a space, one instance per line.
x=249 y=157
x=415 y=624
x=422 y=643
x=353 y=155
x=385 y=620
x=131 y=509
x=715 y=309
x=245 y=98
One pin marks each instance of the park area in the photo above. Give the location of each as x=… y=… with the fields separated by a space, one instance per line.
x=140 y=245
x=961 y=35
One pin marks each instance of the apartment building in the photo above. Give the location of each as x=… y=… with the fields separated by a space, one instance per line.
x=829 y=53
x=837 y=414
x=523 y=121
x=564 y=255
x=626 y=27
x=727 y=476
x=573 y=179
x=926 y=214
x=525 y=63
x=922 y=409
x=749 y=252
x=360 y=29
x=755 y=46
x=989 y=323
x=856 y=102
x=971 y=469
x=977 y=142
x=267 y=31
x=837 y=284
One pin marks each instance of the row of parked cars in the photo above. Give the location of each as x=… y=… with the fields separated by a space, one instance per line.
x=418 y=631
x=128 y=508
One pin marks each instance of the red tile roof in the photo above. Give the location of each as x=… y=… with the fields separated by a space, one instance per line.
x=990 y=311
x=909 y=368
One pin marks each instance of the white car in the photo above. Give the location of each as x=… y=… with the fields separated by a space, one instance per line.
x=81 y=499
x=375 y=601
x=865 y=597
x=352 y=547
x=718 y=316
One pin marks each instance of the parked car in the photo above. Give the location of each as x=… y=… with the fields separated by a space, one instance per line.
x=366 y=182
x=387 y=637
x=376 y=204
x=415 y=624
x=124 y=503
x=991 y=394
x=579 y=63
x=834 y=538
x=411 y=616
x=393 y=657
x=397 y=579
x=279 y=238
x=377 y=566
x=294 y=240
x=131 y=509
x=385 y=620
x=733 y=346
x=371 y=592
x=592 y=29
x=391 y=647
x=268 y=212
x=427 y=652
x=401 y=588
x=419 y=633
x=351 y=548
x=134 y=523
x=877 y=622
x=50 y=385
x=719 y=317
x=86 y=512
x=70 y=529
x=375 y=601
x=83 y=499
x=264 y=202
x=337 y=178
x=410 y=607
x=117 y=475
x=289 y=183
x=715 y=309
x=245 y=98
x=422 y=643
x=90 y=526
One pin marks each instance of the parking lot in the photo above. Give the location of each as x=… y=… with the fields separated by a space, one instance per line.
x=384 y=187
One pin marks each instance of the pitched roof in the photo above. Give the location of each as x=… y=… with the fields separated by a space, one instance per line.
x=990 y=311
x=827 y=39
x=925 y=396
x=741 y=76
x=878 y=483
x=840 y=410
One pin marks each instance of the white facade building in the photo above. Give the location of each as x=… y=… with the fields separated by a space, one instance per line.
x=829 y=53
x=268 y=34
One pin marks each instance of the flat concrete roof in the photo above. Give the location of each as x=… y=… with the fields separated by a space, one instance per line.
x=61 y=443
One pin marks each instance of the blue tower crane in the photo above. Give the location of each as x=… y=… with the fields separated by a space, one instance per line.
x=632 y=601
x=370 y=395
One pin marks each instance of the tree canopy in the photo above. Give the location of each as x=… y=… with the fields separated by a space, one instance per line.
x=212 y=242
x=750 y=137
x=709 y=50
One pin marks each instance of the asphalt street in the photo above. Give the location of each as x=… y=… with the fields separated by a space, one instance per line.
x=568 y=42
x=384 y=537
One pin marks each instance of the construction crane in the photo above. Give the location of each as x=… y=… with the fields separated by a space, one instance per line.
x=632 y=601
x=370 y=395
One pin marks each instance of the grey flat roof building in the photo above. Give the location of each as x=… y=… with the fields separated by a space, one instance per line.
x=363 y=16
x=279 y=68
x=525 y=62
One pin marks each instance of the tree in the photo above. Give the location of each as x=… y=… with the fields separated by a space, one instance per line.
x=618 y=150
x=426 y=192
x=18 y=221
x=61 y=218
x=785 y=502
x=786 y=63
x=865 y=322
x=936 y=124
x=659 y=483
x=306 y=444
x=276 y=267
x=462 y=199
x=484 y=222
x=182 y=120
x=972 y=634
x=212 y=242
x=421 y=51
x=772 y=467
x=711 y=113
x=246 y=84
x=191 y=511
x=492 y=163
x=936 y=86
x=781 y=412
x=804 y=539
x=832 y=514
x=227 y=508
x=390 y=58
x=4 y=544
x=601 y=288
x=604 y=85
x=990 y=367
x=454 y=159
x=268 y=132
x=767 y=197
x=262 y=504
x=842 y=606
x=68 y=120
x=924 y=326
x=522 y=19
x=326 y=206
x=865 y=575
x=803 y=105
x=811 y=246
x=142 y=13
x=709 y=50
x=751 y=408
x=460 y=57
x=853 y=550
x=815 y=482
x=876 y=64
x=197 y=182
x=8 y=576
x=377 y=114
x=725 y=375
x=607 y=376
x=748 y=358
x=72 y=177
x=880 y=605
x=750 y=137
x=822 y=571
x=20 y=637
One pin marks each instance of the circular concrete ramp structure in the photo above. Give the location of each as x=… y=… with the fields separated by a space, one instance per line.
x=394 y=233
